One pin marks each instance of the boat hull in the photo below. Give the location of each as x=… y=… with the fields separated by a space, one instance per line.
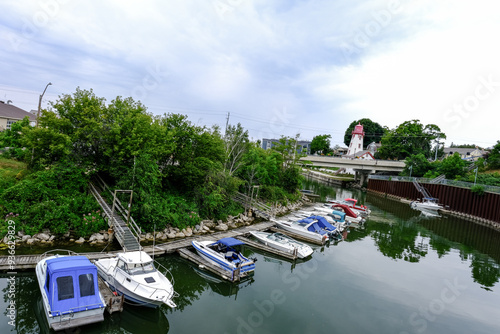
x=215 y=259
x=302 y=250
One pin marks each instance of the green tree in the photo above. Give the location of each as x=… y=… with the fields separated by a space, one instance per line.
x=321 y=143
x=453 y=166
x=373 y=131
x=236 y=144
x=493 y=159
x=418 y=164
x=409 y=138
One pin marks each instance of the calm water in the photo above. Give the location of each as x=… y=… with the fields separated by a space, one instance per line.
x=401 y=273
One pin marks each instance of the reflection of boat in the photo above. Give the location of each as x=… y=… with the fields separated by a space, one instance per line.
x=134 y=275
x=138 y=320
x=224 y=254
x=428 y=204
x=70 y=293
x=283 y=243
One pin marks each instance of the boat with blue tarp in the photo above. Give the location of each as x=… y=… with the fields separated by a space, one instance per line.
x=70 y=291
x=225 y=253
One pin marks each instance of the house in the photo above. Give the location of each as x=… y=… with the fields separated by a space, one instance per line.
x=469 y=154
x=10 y=114
x=302 y=145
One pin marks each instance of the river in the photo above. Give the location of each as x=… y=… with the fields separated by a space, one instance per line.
x=400 y=273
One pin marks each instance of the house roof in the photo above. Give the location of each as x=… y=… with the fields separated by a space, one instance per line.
x=12 y=112
x=463 y=151
x=360 y=154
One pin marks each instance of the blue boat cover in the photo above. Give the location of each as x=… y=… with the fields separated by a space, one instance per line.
x=71 y=285
x=306 y=220
x=229 y=242
x=341 y=214
x=323 y=223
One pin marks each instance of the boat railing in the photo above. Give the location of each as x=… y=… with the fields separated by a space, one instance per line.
x=53 y=252
x=76 y=309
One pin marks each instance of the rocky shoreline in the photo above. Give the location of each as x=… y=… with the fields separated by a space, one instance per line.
x=46 y=238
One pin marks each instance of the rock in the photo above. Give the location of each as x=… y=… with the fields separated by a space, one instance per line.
x=197 y=227
x=188 y=232
x=25 y=237
x=20 y=234
x=159 y=235
x=149 y=236
x=99 y=237
x=80 y=241
x=180 y=235
x=208 y=223
x=232 y=225
x=42 y=236
x=30 y=241
x=71 y=240
x=92 y=238
x=52 y=237
x=205 y=228
x=221 y=227
x=171 y=235
x=66 y=235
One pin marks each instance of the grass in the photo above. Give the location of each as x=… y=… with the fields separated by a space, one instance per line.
x=10 y=168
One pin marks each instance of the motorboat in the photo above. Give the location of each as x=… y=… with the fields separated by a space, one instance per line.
x=362 y=210
x=70 y=291
x=308 y=228
x=351 y=216
x=283 y=242
x=333 y=231
x=225 y=253
x=429 y=204
x=136 y=276
x=335 y=218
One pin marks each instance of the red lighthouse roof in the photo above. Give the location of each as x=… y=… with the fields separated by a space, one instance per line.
x=358 y=130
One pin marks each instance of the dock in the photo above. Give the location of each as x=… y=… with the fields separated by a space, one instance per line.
x=23 y=262
x=114 y=303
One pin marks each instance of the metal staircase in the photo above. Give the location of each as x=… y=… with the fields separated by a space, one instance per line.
x=421 y=189
x=128 y=235
x=438 y=179
x=260 y=209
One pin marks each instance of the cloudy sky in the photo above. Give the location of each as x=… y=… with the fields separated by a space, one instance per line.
x=278 y=67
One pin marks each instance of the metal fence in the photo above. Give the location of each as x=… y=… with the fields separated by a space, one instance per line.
x=423 y=180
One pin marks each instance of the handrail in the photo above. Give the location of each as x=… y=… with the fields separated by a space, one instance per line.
x=71 y=310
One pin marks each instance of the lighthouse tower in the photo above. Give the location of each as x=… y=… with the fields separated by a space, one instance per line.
x=356 y=144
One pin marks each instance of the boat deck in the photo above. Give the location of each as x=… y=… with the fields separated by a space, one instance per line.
x=268 y=249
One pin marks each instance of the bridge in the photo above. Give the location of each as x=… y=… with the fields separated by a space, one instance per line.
x=362 y=167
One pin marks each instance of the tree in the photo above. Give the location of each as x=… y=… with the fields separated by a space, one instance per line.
x=418 y=164
x=409 y=138
x=453 y=166
x=236 y=143
x=494 y=157
x=321 y=143
x=373 y=131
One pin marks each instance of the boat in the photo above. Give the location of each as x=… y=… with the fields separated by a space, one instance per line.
x=335 y=218
x=333 y=231
x=428 y=204
x=307 y=228
x=283 y=242
x=362 y=210
x=351 y=216
x=224 y=253
x=70 y=291
x=136 y=276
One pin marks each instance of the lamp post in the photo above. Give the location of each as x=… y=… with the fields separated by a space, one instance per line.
x=40 y=103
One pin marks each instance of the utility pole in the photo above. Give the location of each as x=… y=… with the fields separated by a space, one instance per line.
x=37 y=117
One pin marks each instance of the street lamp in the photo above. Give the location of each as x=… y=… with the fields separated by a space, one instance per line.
x=40 y=103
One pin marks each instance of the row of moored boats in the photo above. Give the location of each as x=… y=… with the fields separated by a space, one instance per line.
x=69 y=284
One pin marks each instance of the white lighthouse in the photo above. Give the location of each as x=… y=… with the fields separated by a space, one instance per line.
x=356 y=144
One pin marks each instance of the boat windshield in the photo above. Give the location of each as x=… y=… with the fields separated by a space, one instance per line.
x=140 y=268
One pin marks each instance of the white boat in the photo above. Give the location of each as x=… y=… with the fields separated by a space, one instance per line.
x=306 y=228
x=283 y=242
x=223 y=253
x=428 y=204
x=70 y=291
x=134 y=275
x=351 y=215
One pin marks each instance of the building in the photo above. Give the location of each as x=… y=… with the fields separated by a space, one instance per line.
x=356 y=143
x=302 y=145
x=10 y=114
x=469 y=154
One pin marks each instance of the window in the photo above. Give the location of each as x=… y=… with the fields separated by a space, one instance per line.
x=9 y=123
x=47 y=282
x=86 y=282
x=65 y=287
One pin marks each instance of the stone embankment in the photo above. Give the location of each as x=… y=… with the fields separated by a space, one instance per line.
x=169 y=232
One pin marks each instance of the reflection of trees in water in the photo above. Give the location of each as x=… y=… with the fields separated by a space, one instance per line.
x=475 y=243
x=26 y=292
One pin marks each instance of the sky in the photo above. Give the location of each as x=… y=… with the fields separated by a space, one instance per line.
x=281 y=67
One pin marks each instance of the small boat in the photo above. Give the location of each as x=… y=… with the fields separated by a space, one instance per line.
x=333 y=231
x=284 y=243
x=135 y=275
x=350 y=214
x=335 y=218
x=224 y=253
x=307 y=228
x=70 y=291
x=429 y=204
x=362 y=210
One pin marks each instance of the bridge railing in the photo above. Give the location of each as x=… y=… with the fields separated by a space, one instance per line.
x=460 y=184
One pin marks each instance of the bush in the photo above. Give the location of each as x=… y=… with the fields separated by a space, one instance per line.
x=477 y=189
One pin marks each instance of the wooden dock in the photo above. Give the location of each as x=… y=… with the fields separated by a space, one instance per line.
x=114 y=303
x=266 y=248
x=29 y=261
x=297 y=236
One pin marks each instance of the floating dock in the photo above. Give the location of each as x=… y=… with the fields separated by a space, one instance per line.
x=114 y=303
